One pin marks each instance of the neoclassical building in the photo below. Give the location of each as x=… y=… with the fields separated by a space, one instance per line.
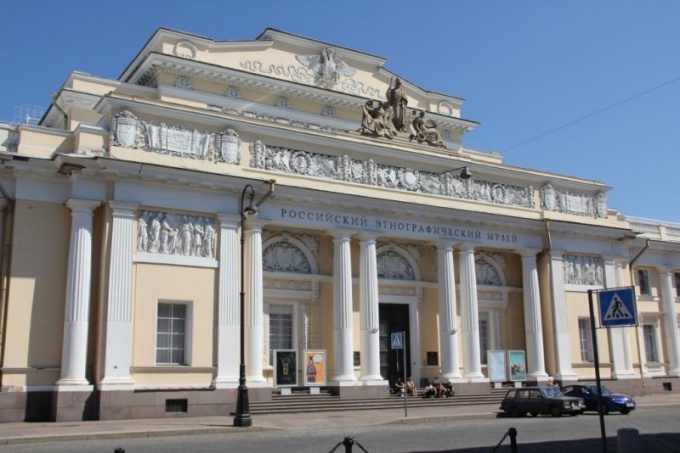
x=124 y=211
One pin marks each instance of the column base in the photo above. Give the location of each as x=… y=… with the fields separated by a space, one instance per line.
x=117 y=383
x=345 y=379
x=73 y=382
x=369 y=379
x=225 y=383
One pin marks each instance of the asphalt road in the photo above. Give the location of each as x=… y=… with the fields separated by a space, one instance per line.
x=659 y=428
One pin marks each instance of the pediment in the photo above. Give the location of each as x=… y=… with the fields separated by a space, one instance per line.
x=306 y=62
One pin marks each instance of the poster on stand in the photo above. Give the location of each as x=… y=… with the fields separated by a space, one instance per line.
x=496 y=365
x=285 y=371
x=315 y=367
x=517 y=365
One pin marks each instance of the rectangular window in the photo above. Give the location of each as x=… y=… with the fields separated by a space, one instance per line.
x=585 y=339
x=677 y=284
x=651 y=350
x=484 y=335
x=171 y=334
x=643 y=282
x=280 y=328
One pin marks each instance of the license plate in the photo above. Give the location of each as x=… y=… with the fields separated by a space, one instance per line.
x=630 y=405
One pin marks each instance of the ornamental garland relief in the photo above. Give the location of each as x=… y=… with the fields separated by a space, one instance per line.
x=392 y=265
x=283 y=256
x=175 y=234
x=574 y=203
x=583 y=270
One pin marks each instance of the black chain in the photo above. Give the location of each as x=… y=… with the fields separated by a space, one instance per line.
x=335 y=448
x=507 y=433
x=351 y=442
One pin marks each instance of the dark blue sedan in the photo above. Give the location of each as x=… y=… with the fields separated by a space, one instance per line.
x=612 y=402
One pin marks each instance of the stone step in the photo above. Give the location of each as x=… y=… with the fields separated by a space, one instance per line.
x=326 y=402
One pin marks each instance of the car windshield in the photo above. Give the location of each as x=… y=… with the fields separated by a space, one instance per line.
x=593 y=390
x=552 y=392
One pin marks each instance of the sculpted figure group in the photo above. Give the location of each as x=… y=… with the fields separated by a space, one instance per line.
x=170 y=234
x=388 y=118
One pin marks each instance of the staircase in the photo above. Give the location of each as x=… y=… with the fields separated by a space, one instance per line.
x=302 y=401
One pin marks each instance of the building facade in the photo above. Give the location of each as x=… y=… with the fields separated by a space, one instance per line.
x=130 y=242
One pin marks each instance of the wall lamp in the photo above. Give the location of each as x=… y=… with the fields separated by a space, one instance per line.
x=465 y=172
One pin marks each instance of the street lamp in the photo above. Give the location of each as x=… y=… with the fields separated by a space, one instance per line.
x=242 y=416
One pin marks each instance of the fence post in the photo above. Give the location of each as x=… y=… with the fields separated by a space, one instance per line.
x=512 y=432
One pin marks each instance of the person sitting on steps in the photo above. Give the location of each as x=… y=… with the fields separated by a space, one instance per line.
x=430 y=390
x=398 y=387
x=411 y=387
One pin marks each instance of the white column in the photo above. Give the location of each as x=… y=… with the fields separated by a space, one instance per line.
x=628 y=371
x=78 y=281
x=369 y=312
x=472 y=365
x=448 y=334
x=228 y=303
x=615 y=335
x=533 y=329
x=672 y=341
x=117 y=355
x=342 y=308
x=254 y=301
x=559 y=312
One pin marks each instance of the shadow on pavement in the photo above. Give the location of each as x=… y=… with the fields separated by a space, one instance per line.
x=653 y=443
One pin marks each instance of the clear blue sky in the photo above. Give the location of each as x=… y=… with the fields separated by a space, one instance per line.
x=525 y=68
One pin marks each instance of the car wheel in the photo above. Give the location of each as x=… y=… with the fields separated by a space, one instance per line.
x=625 y=411
x=555 y=411
x=534 y=414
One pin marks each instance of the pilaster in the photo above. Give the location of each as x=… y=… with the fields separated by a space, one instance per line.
x=671 y=338
x=117 y=355
x=254 y=301
x=559 y=309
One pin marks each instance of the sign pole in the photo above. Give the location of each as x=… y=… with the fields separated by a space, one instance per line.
x=403 y=335
x=598 y=382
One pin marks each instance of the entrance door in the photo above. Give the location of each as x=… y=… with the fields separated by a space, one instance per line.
x=394 y=318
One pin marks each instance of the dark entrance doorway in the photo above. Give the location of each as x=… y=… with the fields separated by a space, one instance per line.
x=394 y=318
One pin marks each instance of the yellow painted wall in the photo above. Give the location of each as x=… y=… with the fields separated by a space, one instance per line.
x=37 y=291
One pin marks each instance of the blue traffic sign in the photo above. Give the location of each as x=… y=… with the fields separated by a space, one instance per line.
x=617 y=307
x=397 y=340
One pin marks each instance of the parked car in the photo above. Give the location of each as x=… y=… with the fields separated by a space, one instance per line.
x=540 y=400
x=612 y=402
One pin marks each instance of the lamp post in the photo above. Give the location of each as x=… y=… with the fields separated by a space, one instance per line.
x=242 y=415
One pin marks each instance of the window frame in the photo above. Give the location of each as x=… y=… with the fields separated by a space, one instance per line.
x=585 y=341
x=643 y=282
x=651 y=327
x=294 y=326
x=188 y=333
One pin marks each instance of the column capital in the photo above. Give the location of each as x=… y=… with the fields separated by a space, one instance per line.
x=228 y=219
x=79 y=204
x=665 y=269
x=466 y=247
x=443 y=244
x=556 y=254
x=254 y=224
x=340 y=233
x=527 y=252
x=367 y=237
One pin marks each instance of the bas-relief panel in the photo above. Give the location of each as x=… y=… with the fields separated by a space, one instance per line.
x=370 y=172
x=175 y=234
x=128 y=131
x=583 y=270
x=574 y=203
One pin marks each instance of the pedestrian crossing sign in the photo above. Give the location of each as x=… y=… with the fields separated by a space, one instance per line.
x=397 y=340
x=617 y=307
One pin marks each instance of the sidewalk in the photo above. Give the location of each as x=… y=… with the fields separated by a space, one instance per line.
x=16 y=433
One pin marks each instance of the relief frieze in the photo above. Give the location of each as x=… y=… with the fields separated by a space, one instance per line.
x=583 y=270
x=175 y=234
